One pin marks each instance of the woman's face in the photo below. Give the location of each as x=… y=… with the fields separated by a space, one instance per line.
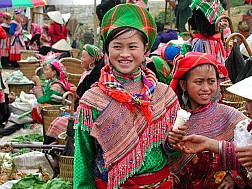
x=201 y=85
x=126 y=52
x=248 y=108
x=48 y=72
x=86 y=59
x=18 y=18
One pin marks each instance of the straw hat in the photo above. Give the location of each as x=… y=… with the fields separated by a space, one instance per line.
x=62 y=45
x=242 y=88
x=56 y=16
x=66 y=17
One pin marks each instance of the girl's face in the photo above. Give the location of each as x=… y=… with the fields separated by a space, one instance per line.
x=48 y=72
x=126 y=52
x=201 y=85
x=86 y=59
x=18 y=18
x=248 y=108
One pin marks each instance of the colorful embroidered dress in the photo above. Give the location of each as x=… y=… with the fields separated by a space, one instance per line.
x=204 y=170
x=127 y=138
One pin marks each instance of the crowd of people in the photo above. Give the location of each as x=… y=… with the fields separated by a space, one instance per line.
x=127 y=100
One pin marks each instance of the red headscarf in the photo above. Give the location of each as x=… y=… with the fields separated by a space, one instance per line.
x=183 y=63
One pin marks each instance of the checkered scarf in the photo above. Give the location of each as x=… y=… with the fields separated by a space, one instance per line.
x=93 y=51
x=211 y=8
x=110 y=85
x=130 y=15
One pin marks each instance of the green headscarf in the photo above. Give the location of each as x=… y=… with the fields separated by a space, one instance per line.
x=132 y=16
x=212 y=9
x=93 y=51
x=162 y=69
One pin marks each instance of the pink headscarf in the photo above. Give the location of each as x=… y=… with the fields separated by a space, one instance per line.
x=36 y=28
x=63 y=74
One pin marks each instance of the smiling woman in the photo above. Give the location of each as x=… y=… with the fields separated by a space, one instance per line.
x=23 y=3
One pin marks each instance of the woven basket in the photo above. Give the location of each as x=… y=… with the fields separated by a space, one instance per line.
x=73 y=65
x=62 y=138
x=74 y=78
x=17 y=88
x=227 y=95
x=28 y=68
x=75 y=53
x=66 y=167
x=27 y=53
x=49 y=113
x=236 y=105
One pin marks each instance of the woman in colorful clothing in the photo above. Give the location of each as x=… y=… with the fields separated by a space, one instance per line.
x=92 y=61
x=57 y=84
x=17 y=39
x=35 y=40
x=195 y=81
x=5 y=43
x=121 y=130
x=57 y=29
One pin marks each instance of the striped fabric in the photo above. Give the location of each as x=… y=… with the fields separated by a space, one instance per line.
x=211 y=8
x=130 y=15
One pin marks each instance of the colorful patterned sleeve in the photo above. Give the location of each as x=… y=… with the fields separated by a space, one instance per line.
x=84 y=156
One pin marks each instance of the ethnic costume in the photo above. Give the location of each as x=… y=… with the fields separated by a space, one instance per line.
x=213 y=120
x=123 y=120
x=57 y=86
x=131 y=143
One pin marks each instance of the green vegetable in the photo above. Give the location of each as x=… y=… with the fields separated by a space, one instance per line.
x=28 y=138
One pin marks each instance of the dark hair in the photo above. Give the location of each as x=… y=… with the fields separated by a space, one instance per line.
x=119 y=31
x=54 y=69
x=187 y=74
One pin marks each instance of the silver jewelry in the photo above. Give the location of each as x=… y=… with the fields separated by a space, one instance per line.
x=185 y=98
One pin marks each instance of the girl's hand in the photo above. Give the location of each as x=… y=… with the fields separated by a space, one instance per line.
x=244 y=155
x=36 y=80
x=227 y=183
x=194 y=144
x=176 y=136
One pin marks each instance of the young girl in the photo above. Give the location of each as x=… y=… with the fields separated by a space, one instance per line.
x=195 y=81
x=121 y=131
x=57 y=84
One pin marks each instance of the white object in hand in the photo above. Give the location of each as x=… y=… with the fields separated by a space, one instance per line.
x=182 y=117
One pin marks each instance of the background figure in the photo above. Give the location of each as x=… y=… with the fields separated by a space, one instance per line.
x=195 y=81
x=92 y=61
x=57 y=83
x=17 y=39
x=57 y=29
x=35 y=40
x=182 y=13
x=45 y=40
x=5 y=43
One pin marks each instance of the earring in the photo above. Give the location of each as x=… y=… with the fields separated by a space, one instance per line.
x=185 y=97
x=91 y=65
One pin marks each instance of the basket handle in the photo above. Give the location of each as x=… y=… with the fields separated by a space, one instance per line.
x=38 y=70
x=231 y=36
x=217 y=23
x=72 y=99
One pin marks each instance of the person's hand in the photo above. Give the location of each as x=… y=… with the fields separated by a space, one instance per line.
x=36 y=80
x=227 y=183
x=176 y=136
x=194 y=144
x=244 y=155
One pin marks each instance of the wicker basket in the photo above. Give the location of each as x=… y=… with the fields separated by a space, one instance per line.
x=28 y=68
x=27 y=53
x=75 y=53
x=49 y=113
x=227 y=95
x=62 y=138
x=74 y=78
x=66 y=167
x=73 y=65
x=236 y=105
x=17 y=88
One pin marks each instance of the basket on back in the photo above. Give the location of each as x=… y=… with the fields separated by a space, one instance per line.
x=49 y=113
x=75 y=52
x=73 y=65
x=231 y=99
